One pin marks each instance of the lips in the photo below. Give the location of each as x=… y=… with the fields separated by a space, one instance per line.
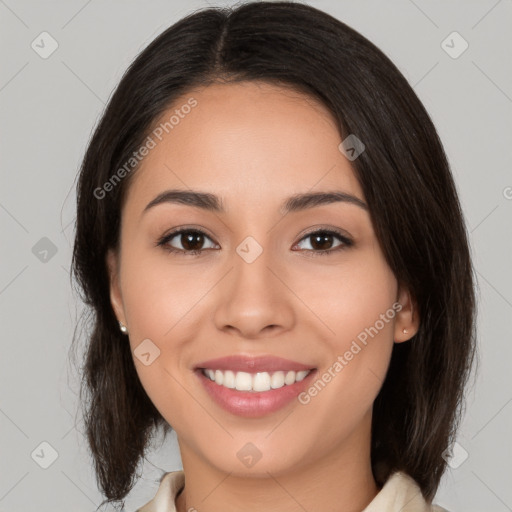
x=253 y=364
x=252 y=403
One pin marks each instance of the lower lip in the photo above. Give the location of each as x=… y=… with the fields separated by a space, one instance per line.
x=251 y=404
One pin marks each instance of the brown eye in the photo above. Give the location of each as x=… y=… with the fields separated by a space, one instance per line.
x=189 y=241
x=324 y=241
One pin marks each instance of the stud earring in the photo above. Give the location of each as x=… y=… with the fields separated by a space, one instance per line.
x=123 y=328
x=404 y=331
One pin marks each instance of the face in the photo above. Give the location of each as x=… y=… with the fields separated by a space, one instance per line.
x=309 y=284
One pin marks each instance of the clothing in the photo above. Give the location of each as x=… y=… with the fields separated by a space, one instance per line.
x=399 y=494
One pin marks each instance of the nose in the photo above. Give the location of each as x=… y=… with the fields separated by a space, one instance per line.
x=253 y=299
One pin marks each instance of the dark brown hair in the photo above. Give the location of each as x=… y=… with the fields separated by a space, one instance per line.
x=407 y=183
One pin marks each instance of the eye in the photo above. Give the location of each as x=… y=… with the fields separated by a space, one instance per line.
x=323 y=239
x=190 y=240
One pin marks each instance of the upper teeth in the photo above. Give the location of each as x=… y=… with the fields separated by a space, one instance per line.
x=261 y=381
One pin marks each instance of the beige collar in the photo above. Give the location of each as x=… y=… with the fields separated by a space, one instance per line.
x=399 y=494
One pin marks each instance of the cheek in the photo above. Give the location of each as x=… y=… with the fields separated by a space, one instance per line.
x=158 y=294
x=357 y=316
x=162 y=303
x=349 y=297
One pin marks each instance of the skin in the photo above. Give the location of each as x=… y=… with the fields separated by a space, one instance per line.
x=254 y=145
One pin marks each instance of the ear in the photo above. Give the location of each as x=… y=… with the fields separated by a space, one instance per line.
x=407 y=318
x=115 y=289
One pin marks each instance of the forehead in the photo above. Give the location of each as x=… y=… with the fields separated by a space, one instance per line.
x=244 y=139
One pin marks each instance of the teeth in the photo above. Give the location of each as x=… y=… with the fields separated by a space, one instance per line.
x=277 y=380
x=290 y=378
x=229 y=379
x=261 y=381
x=243 y=381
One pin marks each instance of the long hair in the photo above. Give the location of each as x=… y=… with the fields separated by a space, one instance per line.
x=406 y=180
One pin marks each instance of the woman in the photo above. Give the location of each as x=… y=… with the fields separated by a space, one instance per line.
x=270 y=238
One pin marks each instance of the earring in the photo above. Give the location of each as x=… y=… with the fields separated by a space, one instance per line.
x=123 y=328
x=404 y=331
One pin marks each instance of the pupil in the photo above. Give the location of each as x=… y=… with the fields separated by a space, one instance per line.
x=324 y=239
x=189 y=241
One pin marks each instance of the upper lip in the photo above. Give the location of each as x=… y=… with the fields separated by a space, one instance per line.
x=253 y=364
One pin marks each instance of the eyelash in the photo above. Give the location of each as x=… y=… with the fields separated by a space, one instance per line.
x=346 y=242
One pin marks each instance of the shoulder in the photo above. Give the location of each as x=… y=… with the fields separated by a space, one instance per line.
x=164 y=500
x=401 y=492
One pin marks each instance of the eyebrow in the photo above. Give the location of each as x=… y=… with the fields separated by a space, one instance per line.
x=295 y=203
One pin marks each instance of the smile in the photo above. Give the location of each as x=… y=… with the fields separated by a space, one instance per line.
x=255 y=382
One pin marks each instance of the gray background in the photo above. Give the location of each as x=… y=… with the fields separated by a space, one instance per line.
x=48 y=108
